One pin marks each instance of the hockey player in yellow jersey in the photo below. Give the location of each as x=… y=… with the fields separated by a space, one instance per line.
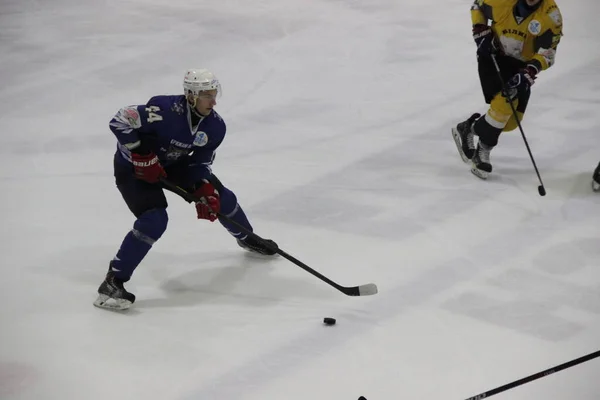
x=523 y=36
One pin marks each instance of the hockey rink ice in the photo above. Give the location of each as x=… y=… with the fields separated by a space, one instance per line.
x=338 y=148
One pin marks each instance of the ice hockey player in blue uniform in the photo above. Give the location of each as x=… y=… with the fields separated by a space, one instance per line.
x=173 y=137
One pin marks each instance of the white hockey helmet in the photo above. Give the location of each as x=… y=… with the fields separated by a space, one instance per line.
x=198 y=80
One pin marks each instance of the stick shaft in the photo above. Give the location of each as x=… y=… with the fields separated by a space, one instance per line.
x=350 y=291
x=514 y=111
x=534 y=377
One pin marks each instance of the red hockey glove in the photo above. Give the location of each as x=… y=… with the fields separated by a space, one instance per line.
x=210 y=203
x=147 y=167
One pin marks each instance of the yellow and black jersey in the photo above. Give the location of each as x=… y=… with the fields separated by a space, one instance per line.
x=533 y=39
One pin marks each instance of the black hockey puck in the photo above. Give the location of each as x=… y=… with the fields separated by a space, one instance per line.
x=329 y=321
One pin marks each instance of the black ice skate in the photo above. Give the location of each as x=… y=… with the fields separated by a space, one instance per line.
x=481 y=161
x=464 y=137
x=265 y=247
x=112 y=295
x=596 y=179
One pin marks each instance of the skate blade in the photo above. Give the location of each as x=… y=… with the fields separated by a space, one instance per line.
x=596 y=186
x=479 y=173
x=103 y=301
x=256 y=254
x=259 y=256
x=456 y=137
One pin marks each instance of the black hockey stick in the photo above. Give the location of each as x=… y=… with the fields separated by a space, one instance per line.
x=533 y=377
x=362 y=290
x=541 y=188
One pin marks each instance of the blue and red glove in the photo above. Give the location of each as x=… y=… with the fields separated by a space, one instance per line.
x=147 y=167
x=209 y=203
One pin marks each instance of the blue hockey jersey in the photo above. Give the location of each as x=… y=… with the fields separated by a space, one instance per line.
x=164 y=126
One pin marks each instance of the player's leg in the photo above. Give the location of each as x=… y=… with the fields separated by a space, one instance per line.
x=488 y=128
x=232 y=209
x=465 y=138
x=498 y=117
x=520 y=108
x=463 y=133
x=148 y=203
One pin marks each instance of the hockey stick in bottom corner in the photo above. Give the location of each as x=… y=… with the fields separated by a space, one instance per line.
x=533 y=377
x=362 y=290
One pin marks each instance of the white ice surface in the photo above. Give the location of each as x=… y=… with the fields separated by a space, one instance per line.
x=339 y=148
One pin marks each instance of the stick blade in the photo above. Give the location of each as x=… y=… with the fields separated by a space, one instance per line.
x=367 y=290
x=362 y=290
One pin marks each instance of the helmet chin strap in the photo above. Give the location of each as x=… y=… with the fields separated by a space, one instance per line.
x=193 y=107
x=196 y=113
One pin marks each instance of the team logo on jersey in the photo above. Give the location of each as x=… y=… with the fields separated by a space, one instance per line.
x=129 y=116
x=132 y=116
x=201 y=139
x=535 y=27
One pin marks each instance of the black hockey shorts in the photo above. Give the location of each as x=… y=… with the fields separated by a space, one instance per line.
x=491 y=84
x=142 y=196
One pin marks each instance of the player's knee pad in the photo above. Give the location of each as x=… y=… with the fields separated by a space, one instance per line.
x=500 y=111
x=228 y=198
x=512 y=122
x=229 y=203
x=150 y=226
x=231 y=209
x=235 y=213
